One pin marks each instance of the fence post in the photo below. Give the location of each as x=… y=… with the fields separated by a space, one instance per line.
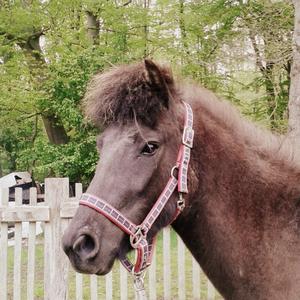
x=17 y=249
x=3 y=246
x=167 y=263
x=56 y=262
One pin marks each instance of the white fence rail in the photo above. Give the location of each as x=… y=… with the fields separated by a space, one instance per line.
x=35 y=267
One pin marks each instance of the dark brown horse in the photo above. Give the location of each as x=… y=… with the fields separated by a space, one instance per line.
x=242 y=214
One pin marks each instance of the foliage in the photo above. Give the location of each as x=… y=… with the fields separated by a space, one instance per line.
x=272 y=44
x=50 y=49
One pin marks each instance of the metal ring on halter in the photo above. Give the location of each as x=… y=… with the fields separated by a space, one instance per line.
x=172 y=171
x=137 y=237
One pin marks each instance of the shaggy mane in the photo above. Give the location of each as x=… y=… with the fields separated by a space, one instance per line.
x=125 y=93
x=282 y=148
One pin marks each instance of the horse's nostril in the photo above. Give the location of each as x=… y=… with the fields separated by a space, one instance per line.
x=85 y=246
x=84 y=243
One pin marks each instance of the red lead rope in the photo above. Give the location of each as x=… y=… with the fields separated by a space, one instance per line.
x=138 y=233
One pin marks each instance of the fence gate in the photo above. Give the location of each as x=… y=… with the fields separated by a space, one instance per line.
x=34 y=266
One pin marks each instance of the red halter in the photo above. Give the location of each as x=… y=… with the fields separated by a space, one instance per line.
x=138 y=233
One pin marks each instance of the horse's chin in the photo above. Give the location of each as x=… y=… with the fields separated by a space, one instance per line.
x=104 y=271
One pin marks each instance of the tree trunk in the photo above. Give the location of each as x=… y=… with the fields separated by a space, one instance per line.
x=270 y=89
x=267 y=73
x=146 y=29
x=55 y=130
x=53 y=126
x=183 y=29
x=92 y=28
x=294 y=96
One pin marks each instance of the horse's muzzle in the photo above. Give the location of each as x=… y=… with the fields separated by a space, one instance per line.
x=81 y=249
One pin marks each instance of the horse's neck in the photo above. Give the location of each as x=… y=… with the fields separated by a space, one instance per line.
x=225 y=183
x=234 y=193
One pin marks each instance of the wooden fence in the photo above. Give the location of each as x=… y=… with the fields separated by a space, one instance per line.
x=36 y=267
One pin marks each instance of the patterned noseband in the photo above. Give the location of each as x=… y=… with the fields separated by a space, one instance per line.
x=138 y=233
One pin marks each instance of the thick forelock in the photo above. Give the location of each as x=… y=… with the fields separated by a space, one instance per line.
x=124 y=93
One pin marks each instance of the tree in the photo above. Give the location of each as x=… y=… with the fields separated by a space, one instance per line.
x=31 y=90
x=50 y=49
x=269 y=27
x=294 y=100
x=28 y=40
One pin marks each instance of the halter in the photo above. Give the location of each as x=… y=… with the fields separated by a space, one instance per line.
x=138 y=233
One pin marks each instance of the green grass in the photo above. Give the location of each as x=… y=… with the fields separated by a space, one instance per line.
x=39 y=271
x=39 y=274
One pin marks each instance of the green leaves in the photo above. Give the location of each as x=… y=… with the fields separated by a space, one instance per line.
x=47 y=56
x=76 y=160
x=18 y=20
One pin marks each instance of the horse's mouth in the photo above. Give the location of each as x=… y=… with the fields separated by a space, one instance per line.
x=93 y=266
x=115 y=255
x=92 y=269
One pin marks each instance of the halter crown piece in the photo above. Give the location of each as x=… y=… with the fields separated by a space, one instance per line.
x=138 y=233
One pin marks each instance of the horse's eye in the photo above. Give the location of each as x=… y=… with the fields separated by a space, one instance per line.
x=150 y=148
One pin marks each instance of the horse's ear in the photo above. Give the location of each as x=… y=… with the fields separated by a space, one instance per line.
x=159 y=79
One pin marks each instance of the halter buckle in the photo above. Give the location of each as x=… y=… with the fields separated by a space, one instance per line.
x=139 y=235
x=188 y=136
x=180 y=202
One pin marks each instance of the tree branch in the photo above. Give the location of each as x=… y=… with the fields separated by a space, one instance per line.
x=126 y=3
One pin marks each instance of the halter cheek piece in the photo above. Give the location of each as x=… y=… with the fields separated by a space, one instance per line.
x=138 y=233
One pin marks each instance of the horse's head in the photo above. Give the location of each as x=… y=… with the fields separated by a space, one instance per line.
x=143 y=119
